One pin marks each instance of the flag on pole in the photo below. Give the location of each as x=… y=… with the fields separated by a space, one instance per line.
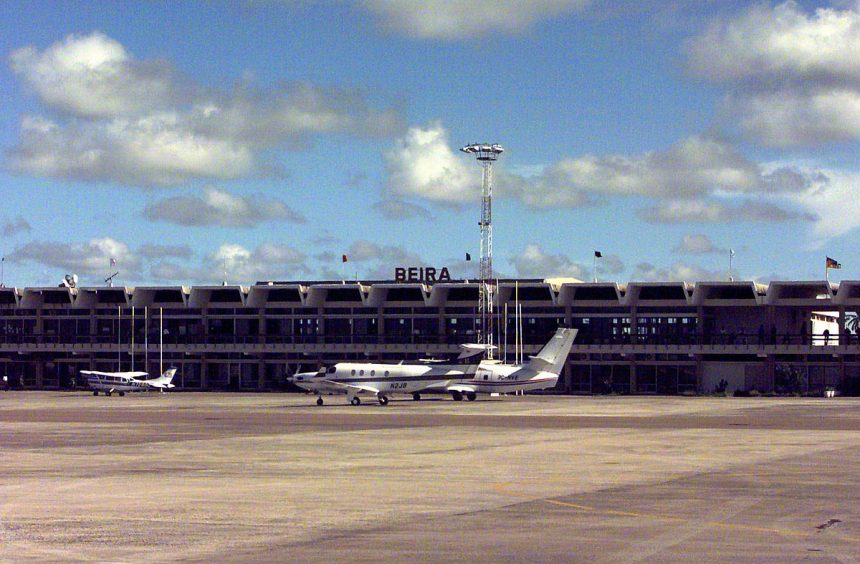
x=597 y=254
x=343 y=258
x=113 y=262
x=831 y=263
x=468 y=257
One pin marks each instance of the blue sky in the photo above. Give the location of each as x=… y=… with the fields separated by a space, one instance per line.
x=270 y=138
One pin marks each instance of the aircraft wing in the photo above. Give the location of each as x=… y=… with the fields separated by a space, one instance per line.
x=354 y=387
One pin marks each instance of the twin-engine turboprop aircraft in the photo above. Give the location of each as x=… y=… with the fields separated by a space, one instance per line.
x=460 y=380
x=122 y=382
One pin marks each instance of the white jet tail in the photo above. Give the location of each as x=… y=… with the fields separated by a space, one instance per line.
x=553 y=355
x=164 y=380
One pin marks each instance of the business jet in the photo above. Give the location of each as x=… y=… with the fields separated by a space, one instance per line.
x=122 y=382
x=488 y=376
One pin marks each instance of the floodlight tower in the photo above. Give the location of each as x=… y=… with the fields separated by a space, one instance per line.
x=486 y=154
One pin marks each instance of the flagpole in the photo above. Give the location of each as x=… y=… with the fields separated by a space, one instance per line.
x=595 y=267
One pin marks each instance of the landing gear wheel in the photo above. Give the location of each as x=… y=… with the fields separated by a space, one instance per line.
x=107 y=394
x=383 y=400
x=416 y=397
x=457 y=396
x=319 y=401
x=121 y=394
x=471 y=396
x=355 y=401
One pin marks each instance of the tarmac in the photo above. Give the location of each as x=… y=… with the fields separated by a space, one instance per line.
x=272 y=477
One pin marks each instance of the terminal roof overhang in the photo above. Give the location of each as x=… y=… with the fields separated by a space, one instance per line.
x=529 y=292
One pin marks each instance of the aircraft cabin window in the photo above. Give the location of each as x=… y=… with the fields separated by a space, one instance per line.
x=361 y=372
x=373 y=372
x=353 y=372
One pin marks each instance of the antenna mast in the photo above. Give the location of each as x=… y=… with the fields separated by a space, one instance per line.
x=486 y=154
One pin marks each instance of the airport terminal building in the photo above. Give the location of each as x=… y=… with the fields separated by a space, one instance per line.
x=637 y=338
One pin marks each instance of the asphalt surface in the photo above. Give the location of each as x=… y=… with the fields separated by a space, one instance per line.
x=263 y=477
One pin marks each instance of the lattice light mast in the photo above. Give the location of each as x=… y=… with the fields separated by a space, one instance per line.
x=486 y=154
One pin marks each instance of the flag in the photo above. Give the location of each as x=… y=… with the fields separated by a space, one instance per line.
x=343 y=258
x=832 y=263
x=597 y=254
x=731 y=252
x=113 y=262
x=468 y=257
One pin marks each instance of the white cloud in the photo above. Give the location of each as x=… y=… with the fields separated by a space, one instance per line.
x=87 y=259
x=399 y=210
x=533 y=262
x=94 y=76
x=834 y=199
x=14 y=226
x=699 y=211
x=695 y=166
x=677 y=272
x=153 y=251
x=134 y=122
x=795 y=77
x=155 y=150
x=269 y=261
x=460 y=19
x=697 y=244
x=422 y=164
x=363 y=251
x=219 y=207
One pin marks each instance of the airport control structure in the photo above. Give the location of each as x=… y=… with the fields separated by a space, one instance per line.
x=636 y=338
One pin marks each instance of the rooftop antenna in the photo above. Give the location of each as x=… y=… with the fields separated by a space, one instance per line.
x=731 y=272
x=486 y=153
x=109 y=279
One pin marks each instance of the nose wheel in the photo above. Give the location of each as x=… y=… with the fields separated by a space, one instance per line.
x=319 y=401
x=355 y=401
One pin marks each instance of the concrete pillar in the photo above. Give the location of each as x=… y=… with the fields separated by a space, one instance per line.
x=39 y=366
x=633 y=377
x=634 y=326
x=261 y=375
x=204 y=373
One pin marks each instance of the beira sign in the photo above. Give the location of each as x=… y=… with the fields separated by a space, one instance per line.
x=421 y=274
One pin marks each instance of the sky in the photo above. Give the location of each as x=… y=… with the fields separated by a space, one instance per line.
x=198 y=142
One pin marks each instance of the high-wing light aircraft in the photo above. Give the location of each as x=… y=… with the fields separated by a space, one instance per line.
x=540 y=372
x=122 y=382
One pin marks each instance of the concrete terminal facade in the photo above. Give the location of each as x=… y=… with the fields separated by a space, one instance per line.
x=642 y=338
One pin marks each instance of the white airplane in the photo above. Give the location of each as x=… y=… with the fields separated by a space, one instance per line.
x=122 y=382
x=540 y=372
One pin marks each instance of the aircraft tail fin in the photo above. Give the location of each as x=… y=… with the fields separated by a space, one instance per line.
x=553 y=355
x=168 y=375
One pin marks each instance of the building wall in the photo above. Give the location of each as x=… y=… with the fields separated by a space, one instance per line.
x=657 y=339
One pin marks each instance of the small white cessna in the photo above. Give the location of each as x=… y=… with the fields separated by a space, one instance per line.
x=540 y=372
x=122 y=382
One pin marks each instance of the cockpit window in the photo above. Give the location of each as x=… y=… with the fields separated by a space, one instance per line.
x=331 y=369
